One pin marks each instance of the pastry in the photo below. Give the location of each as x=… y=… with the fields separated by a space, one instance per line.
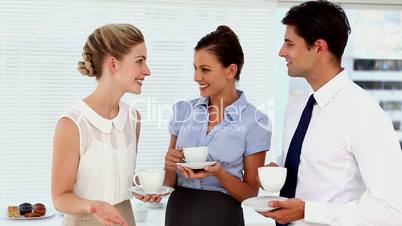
x=25 y=208
x=39 y=208
x=13 y=212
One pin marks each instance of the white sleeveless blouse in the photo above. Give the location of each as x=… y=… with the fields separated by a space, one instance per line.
x=107 y=153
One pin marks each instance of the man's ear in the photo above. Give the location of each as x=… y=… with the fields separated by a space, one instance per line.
x=321 y=45
x=112 y=64
x=231 y=71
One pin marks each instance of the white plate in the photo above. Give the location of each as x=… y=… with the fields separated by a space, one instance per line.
x=195 y=165
x=260 y=203
x=49 y=213
x=164 y=191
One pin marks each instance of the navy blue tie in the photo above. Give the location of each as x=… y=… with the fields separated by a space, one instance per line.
x=293 y=157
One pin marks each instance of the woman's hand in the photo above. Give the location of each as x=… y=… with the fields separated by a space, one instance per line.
x=172 y=157
x=106 y=214
x=214 y=170
x=148 y=198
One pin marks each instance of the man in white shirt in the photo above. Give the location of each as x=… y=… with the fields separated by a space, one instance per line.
x=341 y=146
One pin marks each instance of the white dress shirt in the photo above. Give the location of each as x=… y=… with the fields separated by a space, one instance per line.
x=350 y=170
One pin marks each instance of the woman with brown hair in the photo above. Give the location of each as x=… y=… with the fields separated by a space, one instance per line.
x=234 y=131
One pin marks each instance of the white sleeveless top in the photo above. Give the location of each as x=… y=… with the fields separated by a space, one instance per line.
x=107 y=153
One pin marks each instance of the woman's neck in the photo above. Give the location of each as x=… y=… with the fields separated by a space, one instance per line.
x=105 y=100
x=224 y=99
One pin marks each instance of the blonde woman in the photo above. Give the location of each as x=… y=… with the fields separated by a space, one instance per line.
x=95 y=142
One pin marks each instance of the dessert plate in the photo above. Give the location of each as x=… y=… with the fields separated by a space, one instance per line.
x=195 y=165
x=4 y=215
x=163 y=191
x=260 y=203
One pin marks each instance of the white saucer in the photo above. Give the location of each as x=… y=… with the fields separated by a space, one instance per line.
x=195 y=165
x=164 y=191
x=260 y=203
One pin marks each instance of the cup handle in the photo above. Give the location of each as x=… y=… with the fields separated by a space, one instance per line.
x=135 y=180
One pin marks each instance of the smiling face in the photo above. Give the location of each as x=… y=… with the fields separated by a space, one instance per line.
x=211 y=76
x=299 y=56
x=133 y=69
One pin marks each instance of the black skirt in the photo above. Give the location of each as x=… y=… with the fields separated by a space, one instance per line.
x=190 y=207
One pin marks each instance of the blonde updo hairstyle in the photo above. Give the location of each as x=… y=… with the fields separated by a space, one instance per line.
x=109 y=40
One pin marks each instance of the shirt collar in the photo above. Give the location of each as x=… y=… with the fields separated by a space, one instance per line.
x=104 y=125
x=327 y=92
x=202 y=101
x=233 y=110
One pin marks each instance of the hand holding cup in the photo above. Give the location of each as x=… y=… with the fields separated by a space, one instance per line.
x=151 y=181
x=172 y=157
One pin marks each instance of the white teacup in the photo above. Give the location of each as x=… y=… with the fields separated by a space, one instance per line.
x=151 y=180
x=196 y=154
x=272 y=178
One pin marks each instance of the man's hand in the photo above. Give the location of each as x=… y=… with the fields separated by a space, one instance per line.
x=288 y=211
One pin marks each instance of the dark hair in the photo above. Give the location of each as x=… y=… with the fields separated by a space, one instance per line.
x=320 y=19
x=225 y=45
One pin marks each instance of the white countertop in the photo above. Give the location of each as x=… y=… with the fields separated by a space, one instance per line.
x=156 y=217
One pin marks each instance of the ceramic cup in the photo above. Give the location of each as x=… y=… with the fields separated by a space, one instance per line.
x=196 y=154
x=151 y=180
x=272 y=178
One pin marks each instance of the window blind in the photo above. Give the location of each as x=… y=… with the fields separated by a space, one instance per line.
x=41 y=42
